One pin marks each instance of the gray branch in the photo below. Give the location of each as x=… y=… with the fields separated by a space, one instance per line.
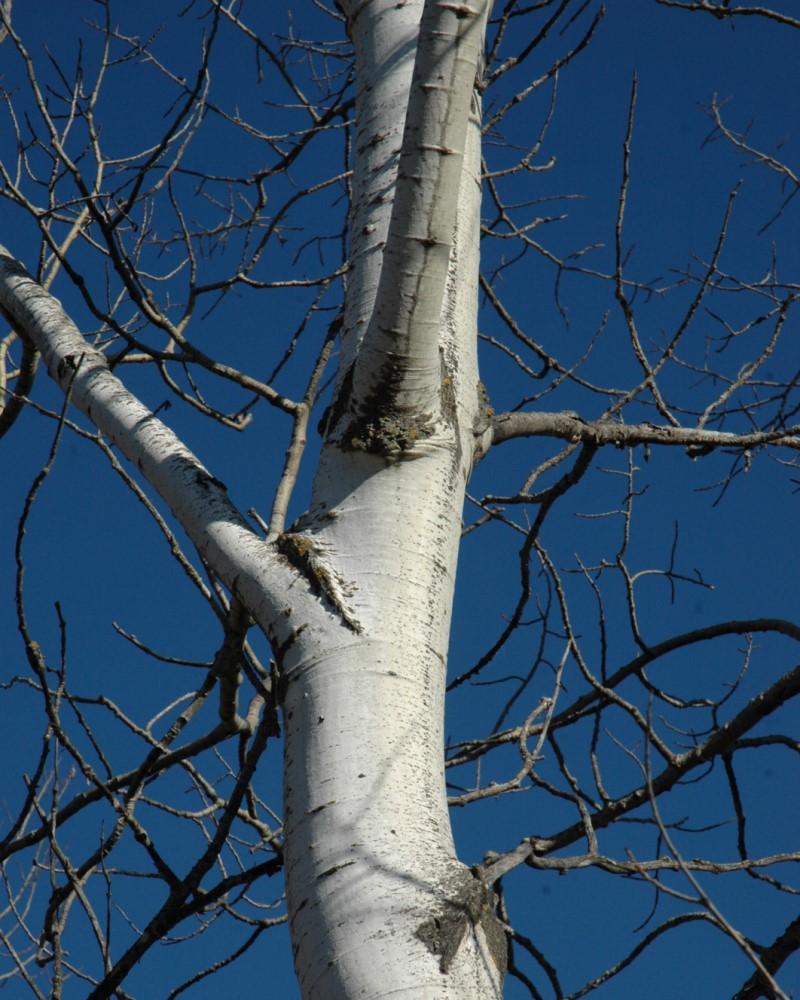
x=568 y=426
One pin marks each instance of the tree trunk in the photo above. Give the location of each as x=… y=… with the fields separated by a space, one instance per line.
x=371 y=866
x=356 y=598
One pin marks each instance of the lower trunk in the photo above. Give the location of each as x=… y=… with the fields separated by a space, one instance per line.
x=378 y=902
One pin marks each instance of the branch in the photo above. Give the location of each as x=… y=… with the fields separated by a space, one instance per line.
x=5 y=18
x=236 y=554
x=470 y=750
x=772 y=958
x=11 y=408
x=721 y=740
x=171 y=912
x=570 y=427
x=721 y=10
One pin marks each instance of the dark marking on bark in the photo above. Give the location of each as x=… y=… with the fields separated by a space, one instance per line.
x=335 y=869
x=206 y=480
x=339 y=406
x=373 y=425
x=390 y=435
x=448 y=394
x=279 y=651
x=71 y=362
x=306 y=556
x=471 y=906
x=486 y=406
x=462 y=11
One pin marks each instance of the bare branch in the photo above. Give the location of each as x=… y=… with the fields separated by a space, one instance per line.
x=568 y=426
x=722 y=9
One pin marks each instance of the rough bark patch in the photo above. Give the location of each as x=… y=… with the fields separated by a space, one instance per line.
x=471 y=907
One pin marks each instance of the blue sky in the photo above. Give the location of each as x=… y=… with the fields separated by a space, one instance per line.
x=91 y=547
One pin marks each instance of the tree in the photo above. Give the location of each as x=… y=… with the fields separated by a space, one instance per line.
x=152 y=237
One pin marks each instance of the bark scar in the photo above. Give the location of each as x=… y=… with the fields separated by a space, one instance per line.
x=472 y=907
x=309 y=559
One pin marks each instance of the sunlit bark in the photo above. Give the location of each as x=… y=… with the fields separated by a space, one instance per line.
x=356 y=597
x=366 y=812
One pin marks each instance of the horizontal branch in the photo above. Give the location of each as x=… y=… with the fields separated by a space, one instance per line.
x=667 y=863
x=568 y=426
x=721 y=10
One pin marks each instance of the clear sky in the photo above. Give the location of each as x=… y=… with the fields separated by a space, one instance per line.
x=92 y=548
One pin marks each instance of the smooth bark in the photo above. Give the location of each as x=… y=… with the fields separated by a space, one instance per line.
x=356 y=597
x=369 y=849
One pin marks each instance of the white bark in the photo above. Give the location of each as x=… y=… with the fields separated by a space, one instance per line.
x=238 y=556
x=370 y=856
x=357 y=597
x=410 y=218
